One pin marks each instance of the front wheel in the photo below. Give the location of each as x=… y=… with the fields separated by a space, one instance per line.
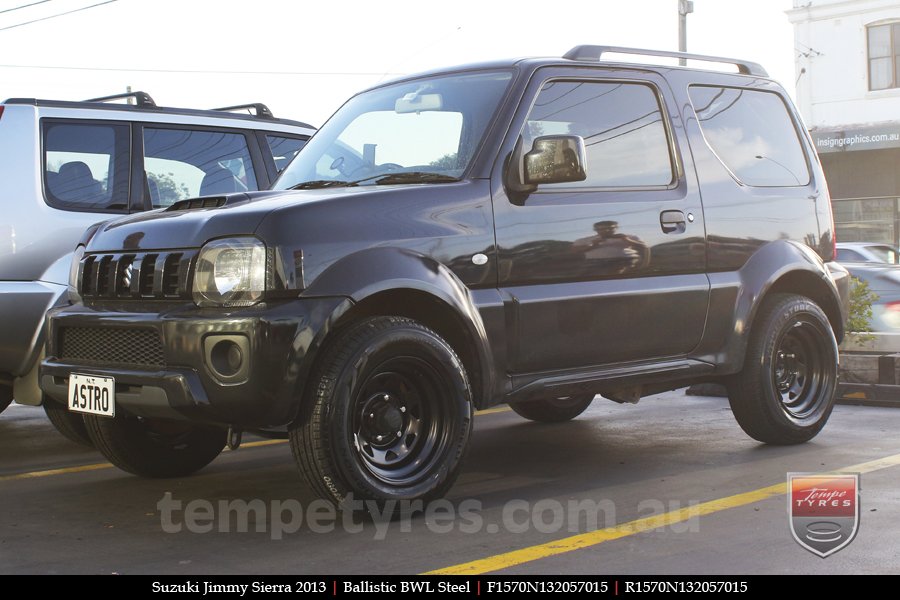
x=391 y=415
x=786 y=391
x=69 y=424
x=553 y=410
x=154 y=447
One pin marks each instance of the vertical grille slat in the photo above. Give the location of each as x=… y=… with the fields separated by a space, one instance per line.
x=148 y=274
x=136 y=275
x=103 y=276
x=170 y=275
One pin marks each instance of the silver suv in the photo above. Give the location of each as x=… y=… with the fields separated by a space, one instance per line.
x=67 y=165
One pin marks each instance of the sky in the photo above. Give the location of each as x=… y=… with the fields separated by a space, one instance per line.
x=304 y=59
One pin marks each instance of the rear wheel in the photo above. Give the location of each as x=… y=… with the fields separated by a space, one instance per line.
x=553 y=410
x=786 y=391
x=391 y=415
x=70 y=424
x=154 y=447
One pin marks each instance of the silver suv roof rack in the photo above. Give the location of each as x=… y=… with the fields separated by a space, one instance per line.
x=262 y=111
x=141 y=99
x=595 y=52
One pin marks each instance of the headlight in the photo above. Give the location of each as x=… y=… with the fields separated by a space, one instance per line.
x=230 y=272
x=74 y=297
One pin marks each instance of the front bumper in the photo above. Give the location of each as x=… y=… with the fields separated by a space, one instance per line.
x=169 y=372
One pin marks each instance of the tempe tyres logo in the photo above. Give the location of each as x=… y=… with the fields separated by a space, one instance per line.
x=823 y=510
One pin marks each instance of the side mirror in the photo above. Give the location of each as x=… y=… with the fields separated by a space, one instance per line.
x=555 y=159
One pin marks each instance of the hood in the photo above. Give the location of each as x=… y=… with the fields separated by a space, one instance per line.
x=187 y=225
x=192 y=223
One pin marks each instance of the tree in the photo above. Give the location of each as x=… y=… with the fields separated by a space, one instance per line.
x=169 y=190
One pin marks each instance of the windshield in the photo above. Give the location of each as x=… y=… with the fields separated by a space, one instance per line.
x=424 y=131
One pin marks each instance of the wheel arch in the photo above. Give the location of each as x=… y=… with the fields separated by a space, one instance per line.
x=398 y=282
x=780 y=267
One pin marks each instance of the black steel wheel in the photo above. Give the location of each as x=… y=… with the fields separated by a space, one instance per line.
x=157 y=448
x=553 y=410
x=786 y=391
x=391 y=415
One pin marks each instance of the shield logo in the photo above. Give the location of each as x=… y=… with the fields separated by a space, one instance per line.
x=823 y=510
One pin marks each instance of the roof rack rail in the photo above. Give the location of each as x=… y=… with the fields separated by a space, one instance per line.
x=141 y=99
x=595 y=52
x=262 y=111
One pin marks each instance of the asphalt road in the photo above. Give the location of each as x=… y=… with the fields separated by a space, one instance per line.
x=616 y=491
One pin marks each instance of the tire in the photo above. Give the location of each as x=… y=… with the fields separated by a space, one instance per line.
x=380 y=375
x=154 y=447
x=553 y=410
x=6 y=396
x=786 y=391
x=68 y=423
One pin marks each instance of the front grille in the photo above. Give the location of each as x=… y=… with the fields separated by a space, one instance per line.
x=140 y=347
x=137 y=275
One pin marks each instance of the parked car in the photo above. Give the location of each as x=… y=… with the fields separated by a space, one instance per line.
x=884 y=281
x=67 y=165
x=531 y=232
x=865 y=252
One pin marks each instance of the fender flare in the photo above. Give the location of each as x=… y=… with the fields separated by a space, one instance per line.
x=757 y=279
x=363 y=275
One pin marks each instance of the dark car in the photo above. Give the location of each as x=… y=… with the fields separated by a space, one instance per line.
x=532 y=232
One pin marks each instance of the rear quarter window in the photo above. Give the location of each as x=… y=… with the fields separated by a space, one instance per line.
x=753 y=134
x=86 y=165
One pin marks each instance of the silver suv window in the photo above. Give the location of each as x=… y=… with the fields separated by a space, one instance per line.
x=86 y=165
x=187 y=163
x=284 y=149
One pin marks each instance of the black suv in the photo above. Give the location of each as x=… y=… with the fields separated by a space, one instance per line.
x=531 y=232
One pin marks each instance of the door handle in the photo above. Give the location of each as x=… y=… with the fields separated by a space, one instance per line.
x=672 y=221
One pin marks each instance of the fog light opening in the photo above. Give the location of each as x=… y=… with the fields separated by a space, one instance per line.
x=227 y=358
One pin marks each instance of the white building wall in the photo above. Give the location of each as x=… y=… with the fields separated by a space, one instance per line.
x=831 y=67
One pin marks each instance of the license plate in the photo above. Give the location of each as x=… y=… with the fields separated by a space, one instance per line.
x=92 y=394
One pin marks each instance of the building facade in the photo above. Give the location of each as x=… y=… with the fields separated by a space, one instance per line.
x=848 y=91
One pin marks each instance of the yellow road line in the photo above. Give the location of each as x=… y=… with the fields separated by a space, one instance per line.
x=492 y=411
x=47 y=473
x=599 y=536
x=261 y=443
x=97 y=466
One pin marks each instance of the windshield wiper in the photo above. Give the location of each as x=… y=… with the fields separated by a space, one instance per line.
x=407 y=177
x=379 y=179
x=319 y=183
